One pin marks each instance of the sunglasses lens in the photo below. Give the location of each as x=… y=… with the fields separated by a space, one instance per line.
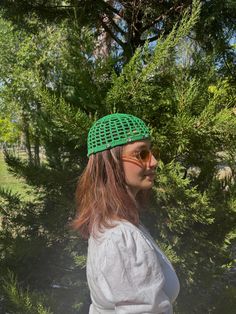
x=144 y=155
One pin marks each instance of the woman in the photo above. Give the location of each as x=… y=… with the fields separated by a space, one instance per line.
x=127 y=273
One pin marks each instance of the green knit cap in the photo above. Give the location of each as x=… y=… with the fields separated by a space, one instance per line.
x=114 y=130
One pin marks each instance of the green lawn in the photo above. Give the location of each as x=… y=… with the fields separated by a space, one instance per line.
x=7 y=180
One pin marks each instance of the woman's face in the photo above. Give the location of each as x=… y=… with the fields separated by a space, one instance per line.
x=138 y=175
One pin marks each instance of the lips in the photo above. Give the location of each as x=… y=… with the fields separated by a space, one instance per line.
x=151 y=176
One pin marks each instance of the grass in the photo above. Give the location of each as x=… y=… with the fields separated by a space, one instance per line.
x=8 y=181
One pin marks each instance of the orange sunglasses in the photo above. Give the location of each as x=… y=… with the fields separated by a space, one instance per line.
x=142 y=158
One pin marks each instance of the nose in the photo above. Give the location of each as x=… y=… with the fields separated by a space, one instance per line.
x=153 y=162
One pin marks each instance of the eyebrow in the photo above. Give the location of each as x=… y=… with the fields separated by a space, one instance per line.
x=141 y=146
x=144 y=146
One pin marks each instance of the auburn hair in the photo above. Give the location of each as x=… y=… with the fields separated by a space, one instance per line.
x=102 y=196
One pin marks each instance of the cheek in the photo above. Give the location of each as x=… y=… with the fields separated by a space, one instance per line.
x=132 y=172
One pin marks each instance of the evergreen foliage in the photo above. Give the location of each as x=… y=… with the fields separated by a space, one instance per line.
x=124 y=25
x=55 y=86
x=19 y=301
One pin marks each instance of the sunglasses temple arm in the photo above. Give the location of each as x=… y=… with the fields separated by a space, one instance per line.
x=132 y=161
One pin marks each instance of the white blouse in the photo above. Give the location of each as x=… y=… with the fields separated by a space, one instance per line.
x=127 y=273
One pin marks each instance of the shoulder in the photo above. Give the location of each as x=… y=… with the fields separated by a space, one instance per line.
x=119 y=229
x=123 y=235
x=124 y=249
x=122 y=227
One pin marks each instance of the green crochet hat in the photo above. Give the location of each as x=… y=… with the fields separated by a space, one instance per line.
x=114 y=130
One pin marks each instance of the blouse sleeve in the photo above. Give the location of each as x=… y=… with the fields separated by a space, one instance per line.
x=131 y=277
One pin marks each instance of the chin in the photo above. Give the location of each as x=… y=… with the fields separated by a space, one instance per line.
x=147 y=186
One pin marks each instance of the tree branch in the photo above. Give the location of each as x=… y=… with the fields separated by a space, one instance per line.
x=108 y=30
x=153 y=38
x=161 y=17
x=113 y=23
x=111 y=8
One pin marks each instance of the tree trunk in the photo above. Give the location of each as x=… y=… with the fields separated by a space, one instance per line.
x=27 y=136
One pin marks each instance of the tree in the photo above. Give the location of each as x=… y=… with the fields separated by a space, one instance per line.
x=187 y=101
x=191 y=109
x=8 y=131
x=35 y=233
x=127 y=24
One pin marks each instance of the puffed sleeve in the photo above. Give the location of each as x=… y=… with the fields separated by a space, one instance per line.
x=130 y=275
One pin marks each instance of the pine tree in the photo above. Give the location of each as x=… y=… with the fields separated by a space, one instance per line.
x=190 y=107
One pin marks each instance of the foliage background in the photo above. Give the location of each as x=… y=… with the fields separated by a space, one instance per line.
x=59 y=72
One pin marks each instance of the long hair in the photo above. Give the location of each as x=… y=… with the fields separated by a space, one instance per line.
x=102 y=195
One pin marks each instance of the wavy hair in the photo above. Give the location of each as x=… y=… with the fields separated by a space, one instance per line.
x=102 y=196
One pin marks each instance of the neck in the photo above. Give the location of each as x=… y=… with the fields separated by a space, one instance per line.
x=133 y=191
